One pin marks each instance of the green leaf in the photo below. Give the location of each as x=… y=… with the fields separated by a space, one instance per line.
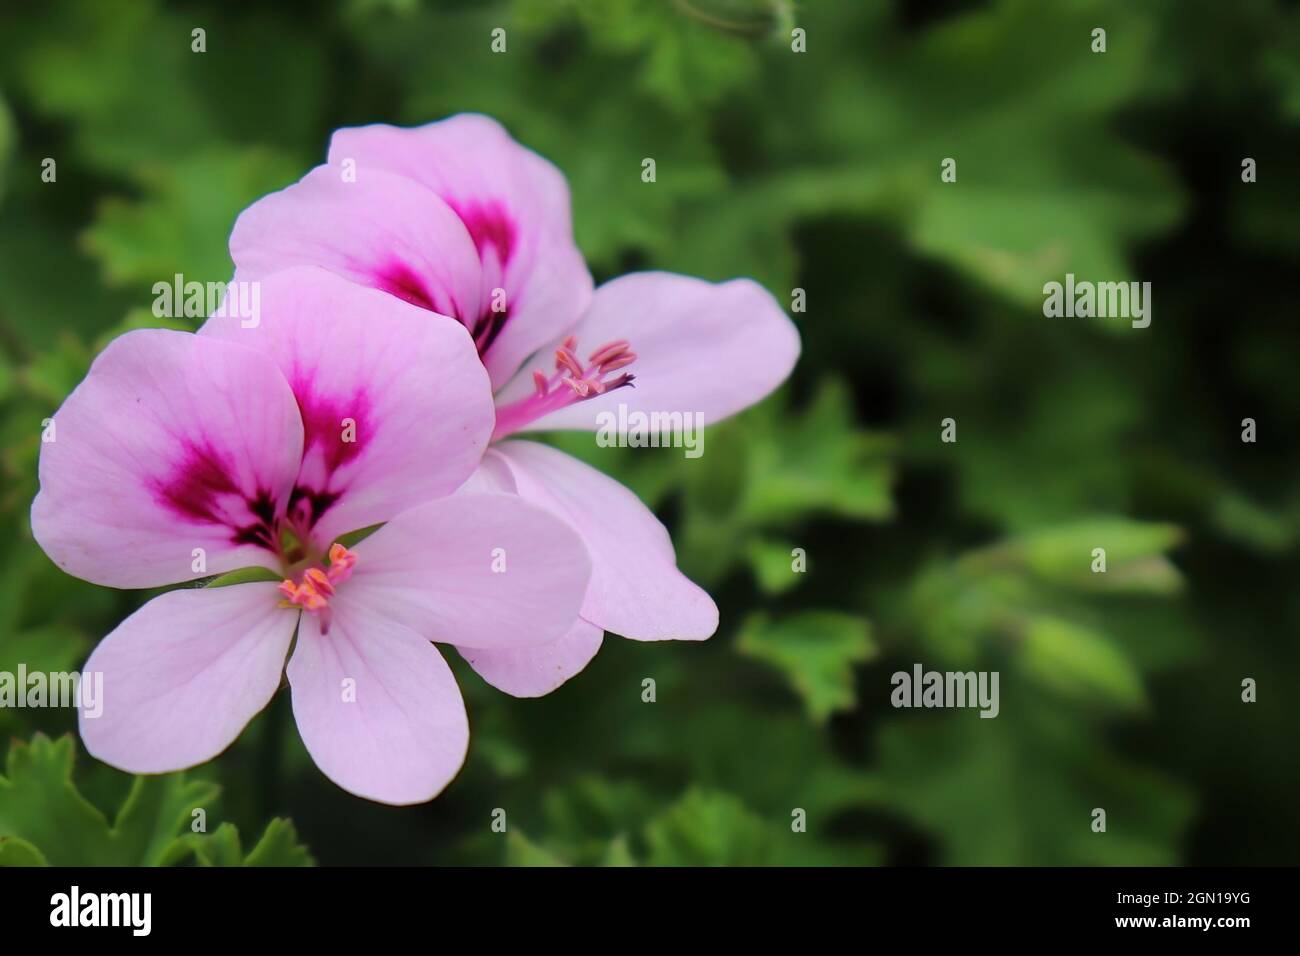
x=1282 y=64
x=243 y=576
x=45 y=818
x=55 y=372
x=708 y=828
x=1240 y=518
x=1033 y=599
x=182 y=224
x=40 y=804
x=1134 y=560
x=816 y=651
x=1016 y=216
x=1080 y=664
x=618 y=853
x=132 y=91
x=218 y=848
x=353 y=537
x=688 y=55
x=520 y=851
x=772 y=468
x=156 y=809
x=6 y=143
x=52 y=294
x=773 y=565
x=279 y=846
x=817 y=461
x=589 y=813
x=16 y=852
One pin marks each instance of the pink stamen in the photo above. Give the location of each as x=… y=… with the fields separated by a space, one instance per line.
x=607 y=352
x=619 y=361
x=565 y=360
x=341 y=563
x=583 y=382
x=580 y=385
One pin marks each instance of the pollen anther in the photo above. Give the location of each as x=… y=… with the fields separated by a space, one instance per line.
x=317 y=585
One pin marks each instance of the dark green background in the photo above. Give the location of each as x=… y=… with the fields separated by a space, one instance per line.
x=817 y=171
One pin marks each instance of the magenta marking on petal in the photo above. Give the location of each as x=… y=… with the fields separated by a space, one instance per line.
x=261 y=531
x=202 y=491
x=325 y=424
x=495 y=236
x=335 y=432
x=489 y=225
x=398 y=280
x=487 y=328
x=306 y=506
x=202 y=479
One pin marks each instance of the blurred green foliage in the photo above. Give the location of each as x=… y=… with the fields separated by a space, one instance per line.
x=47 y=822
x=818 y=171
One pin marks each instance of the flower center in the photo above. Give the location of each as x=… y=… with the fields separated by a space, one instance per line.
x=572 y=382
x=316 y=585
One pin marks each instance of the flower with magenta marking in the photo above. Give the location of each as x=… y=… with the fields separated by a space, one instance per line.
x=458 y=219
x=181 y=456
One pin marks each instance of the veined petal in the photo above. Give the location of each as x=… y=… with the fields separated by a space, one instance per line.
x=183 y=675
x=396 y=409
x=168 y=462
x=636 y=590
x=379 y=230
x=376 y=705
x=700 y=347
x=515 y=205
x=487 y=571
x=536 y=671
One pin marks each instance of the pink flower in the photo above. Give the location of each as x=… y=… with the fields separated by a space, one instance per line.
x=186 y=455
x=458 y=219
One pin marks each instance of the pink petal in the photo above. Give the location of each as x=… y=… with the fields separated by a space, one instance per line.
x=636 y=589
x=700 y=347
x=172 y=443
x=376 y=705
x=183 y=675
x=488 y=571
x=536 y=671
x=493 y=475
x=382 y=230
x=516 y=206
x=416 y=395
